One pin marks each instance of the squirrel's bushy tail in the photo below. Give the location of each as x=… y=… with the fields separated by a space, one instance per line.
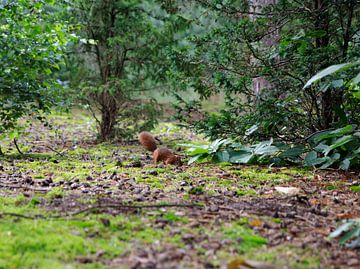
x=148 y=141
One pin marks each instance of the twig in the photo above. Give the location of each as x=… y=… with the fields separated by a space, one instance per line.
x=57 y=152
x=93 y=208
x=17 y=147
x=306 y=220
x=106 y=206
x=23 y=187
x=20 y=215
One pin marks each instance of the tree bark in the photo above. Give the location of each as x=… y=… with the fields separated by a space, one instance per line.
x=321 y=23
x=258 y=84
x=109 y=113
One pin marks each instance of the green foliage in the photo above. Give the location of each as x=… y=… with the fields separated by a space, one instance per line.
x=32 y=42
x=340 y=147
x=141 y=116
x=331 y=70
x=196 y=190
x=206 y=152
x=256 y=153
x=336 y=148
x=248 y=239
x=55 y=193
x=282 y=47
x=349 y=233
x=355 y=188
x=121 y=60
x=264 y=152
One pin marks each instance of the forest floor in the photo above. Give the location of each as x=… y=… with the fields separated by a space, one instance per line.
x=72 y=203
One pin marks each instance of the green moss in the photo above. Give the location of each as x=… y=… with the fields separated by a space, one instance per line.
x=245 y=192
x=20 y=200
x=244 y=237
x=261 y=176
x=287 y=255
x=148 y=180
x=157 y=186
x=55 y=193
x=355 y=188
x=184 y=176
x=45 y=243
x=38 y=176
x=196 y=190
x=173 y=217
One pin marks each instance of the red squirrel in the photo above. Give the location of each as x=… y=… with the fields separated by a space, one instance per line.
x=163 y=154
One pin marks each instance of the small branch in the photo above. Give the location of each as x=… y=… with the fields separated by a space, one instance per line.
x=17 y=147
x=119 y=206
x=54 y=150
x=94 y=208
x=19 y=215
x=93 y=112
x=4 y=185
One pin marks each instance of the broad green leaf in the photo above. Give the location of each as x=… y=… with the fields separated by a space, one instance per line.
x=352 y=233
x=251 y=130
x=322 y=148
x=332 y=133
x=196 y=158
x=218 y=143
x=331 y=159
x=311 y=159
x=294 y=151
x=356 y=80
x=343 y=130
x=265 y=148
x=357 y=94
x=355 y=243
x=342 y=228
x=197 y=149
x=345 y=164
x=337 y=83
x=341 y=141
x=241 y=157
x=222 y=156
x=328 y=71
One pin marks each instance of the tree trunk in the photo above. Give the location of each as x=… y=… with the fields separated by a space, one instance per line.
x=328 y=103
x=109 y=113
x=259 y=83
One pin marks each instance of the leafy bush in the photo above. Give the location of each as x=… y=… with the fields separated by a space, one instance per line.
x=120 y=60
x=336 y=148
x=349 y=232
x=138 y=116
x=352 y=83
x=261 y=74
x=203 y=152
x=265 y=152
x=32 y=43
x=340 y=147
